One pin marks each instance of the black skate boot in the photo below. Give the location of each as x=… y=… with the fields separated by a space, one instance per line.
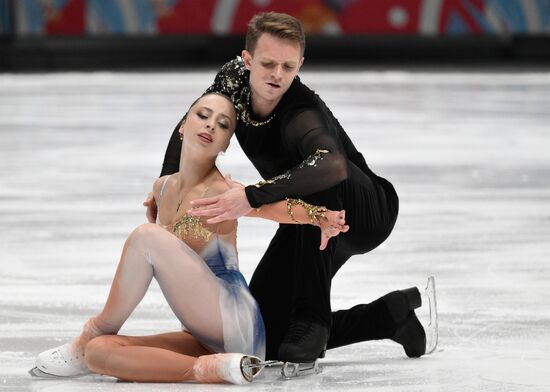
x=411 y=336
x=410 y=333
x=305 y=341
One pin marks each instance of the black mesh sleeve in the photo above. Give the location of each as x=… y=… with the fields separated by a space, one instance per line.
x=171 y=163
x=324 y=162
x=351 y=152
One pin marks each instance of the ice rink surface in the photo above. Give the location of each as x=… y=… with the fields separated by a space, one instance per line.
x=469 y=155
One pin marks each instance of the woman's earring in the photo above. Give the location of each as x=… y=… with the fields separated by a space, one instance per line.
x=181 y=136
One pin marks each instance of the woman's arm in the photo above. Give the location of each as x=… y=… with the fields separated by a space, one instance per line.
x=151 y=200
x=296 y=211
x=292 y=211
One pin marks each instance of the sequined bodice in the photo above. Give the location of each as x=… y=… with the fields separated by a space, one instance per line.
x=189 y=226
x=217 y=250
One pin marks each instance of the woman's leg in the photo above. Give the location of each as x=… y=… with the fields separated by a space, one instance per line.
x=190 y=288
x=167 y=357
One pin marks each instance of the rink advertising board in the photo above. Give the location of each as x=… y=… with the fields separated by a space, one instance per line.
x=222 y=17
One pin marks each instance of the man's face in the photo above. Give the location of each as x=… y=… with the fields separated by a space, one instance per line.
x=273 y=65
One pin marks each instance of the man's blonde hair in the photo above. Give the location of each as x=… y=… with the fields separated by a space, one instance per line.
x=280 y=25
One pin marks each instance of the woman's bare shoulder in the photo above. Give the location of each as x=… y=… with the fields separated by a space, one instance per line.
x=157 y=185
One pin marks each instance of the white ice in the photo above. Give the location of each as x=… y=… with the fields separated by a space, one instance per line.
x=468 y=152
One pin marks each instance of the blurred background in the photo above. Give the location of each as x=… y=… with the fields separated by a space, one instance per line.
x=111 y=34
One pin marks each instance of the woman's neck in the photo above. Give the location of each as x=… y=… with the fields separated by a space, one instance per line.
x=194 y=169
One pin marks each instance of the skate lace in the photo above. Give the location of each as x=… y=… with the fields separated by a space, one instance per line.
x=57 y=356
x=66 y=354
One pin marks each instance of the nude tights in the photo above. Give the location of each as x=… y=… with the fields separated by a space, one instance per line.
x=152 y=252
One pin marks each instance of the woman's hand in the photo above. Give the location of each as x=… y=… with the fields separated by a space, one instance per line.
x=152 y=209
x=333 y=224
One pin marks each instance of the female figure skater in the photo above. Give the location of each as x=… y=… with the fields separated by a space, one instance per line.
x=196 y=266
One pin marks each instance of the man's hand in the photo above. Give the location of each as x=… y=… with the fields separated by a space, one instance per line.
x=152 y=209
x=333 y=224
x=229 y=205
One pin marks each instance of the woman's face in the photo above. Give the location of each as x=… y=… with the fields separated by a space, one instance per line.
x=209 y=124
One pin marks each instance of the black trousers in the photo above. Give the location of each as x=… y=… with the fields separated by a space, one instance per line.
x=293 y=279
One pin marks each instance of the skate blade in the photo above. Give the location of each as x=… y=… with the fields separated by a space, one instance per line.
x=433 y=330
x=35 y=372
x=253 y=369
x=261 y=365
x=292 y=369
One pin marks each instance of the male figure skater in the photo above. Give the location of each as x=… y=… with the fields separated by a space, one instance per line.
x=302 y=152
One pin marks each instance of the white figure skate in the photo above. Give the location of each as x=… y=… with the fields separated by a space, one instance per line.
x=62 y=361
x=232 y=368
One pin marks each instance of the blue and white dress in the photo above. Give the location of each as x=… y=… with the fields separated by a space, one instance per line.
x=243 y=327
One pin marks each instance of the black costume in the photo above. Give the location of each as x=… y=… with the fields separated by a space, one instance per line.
x=302 y=151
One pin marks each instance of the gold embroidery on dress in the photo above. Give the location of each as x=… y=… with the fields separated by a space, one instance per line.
x=191 y=226
x=309 y=161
